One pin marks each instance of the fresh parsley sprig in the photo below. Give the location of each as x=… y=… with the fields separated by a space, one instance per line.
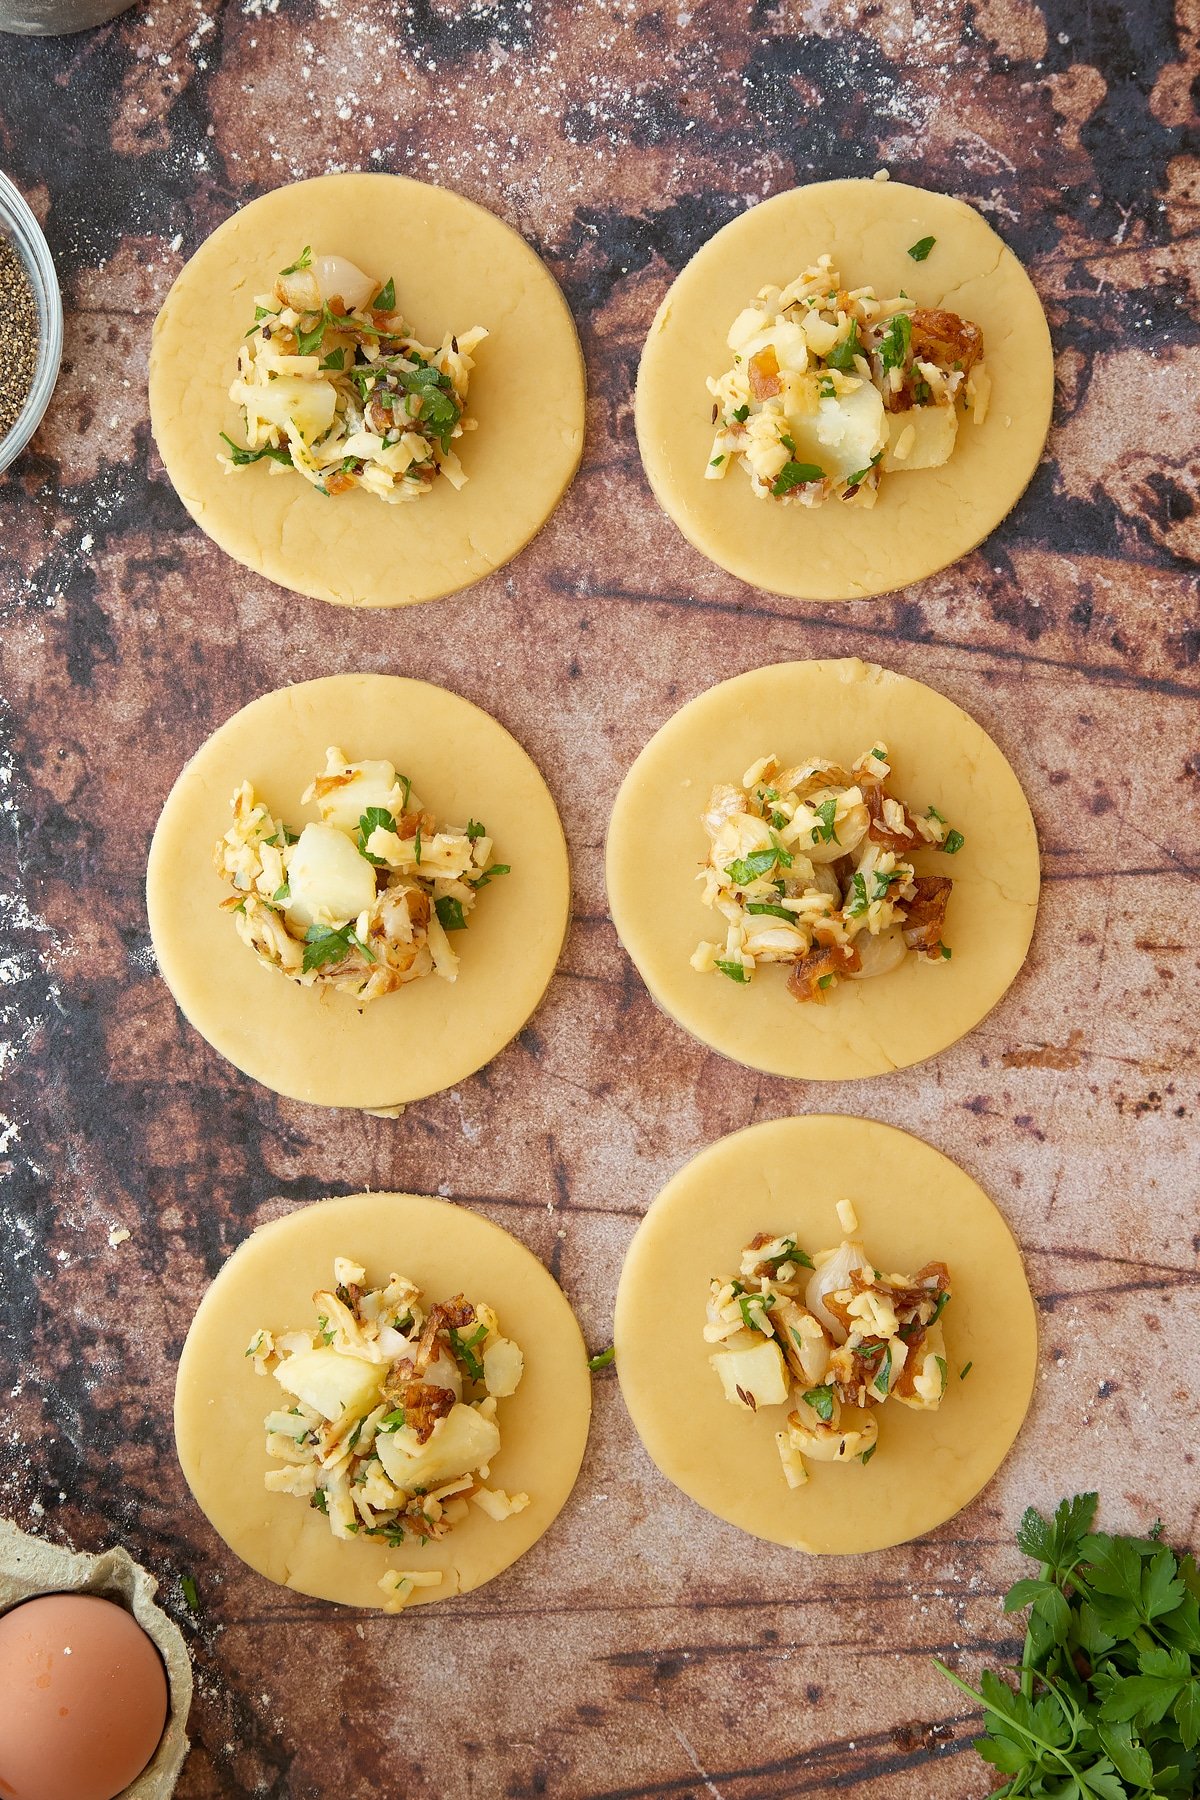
x=1107 y=1704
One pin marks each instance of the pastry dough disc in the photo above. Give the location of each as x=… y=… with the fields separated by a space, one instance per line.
x=454 y=266
x=220 y=1403
x=922 y=520
x=913 y=1205
x=315 y=1044
x=940 y=757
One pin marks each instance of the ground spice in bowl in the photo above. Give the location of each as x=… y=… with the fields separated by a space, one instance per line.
x=20 y=331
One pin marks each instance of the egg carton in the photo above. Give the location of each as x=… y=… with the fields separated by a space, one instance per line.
x=29 y=1567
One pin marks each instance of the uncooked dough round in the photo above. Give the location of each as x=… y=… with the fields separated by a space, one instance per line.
x=923 y=519
x=914 y=1205
x=220 y=1403
x=316 y=1044
x=454 y=266
x=838 y=710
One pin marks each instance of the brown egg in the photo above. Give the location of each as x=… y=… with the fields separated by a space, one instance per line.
x=85 y=1699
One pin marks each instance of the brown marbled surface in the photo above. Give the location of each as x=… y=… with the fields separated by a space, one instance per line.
x=642 y=1649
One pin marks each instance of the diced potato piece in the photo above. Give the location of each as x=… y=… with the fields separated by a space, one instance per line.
x=309 y=405
x=760 y=1373
x=371 y=785
x=459 y=1443
x=822 y=335
x=748 y=323
x=332 y=1384
x=934 y=429
x=503 y=1367
x=329 y=881
x=843 y=434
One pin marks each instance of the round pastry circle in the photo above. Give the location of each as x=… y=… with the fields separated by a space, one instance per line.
x=913 y=1205
x=922 y=520
x=316 y=1044
x=220 y=1403
x=455 y=266
x=941 y=757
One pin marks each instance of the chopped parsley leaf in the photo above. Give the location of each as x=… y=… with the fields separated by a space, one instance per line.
x=868 y=1453
x=385 y=299
x=281 y=894
x=392 y=1421
x=716 y=462
x=794 y=475
x=842 y=355
x=335 y=360
x=920 y=250
x=320 y=1502
x=323 y=944
x=894 y=345
x=601 y=1359
x=751 y=868
x=824 y=981
x=860 y=903
x=766 y=906
x=882 y=1380
x=965 y=1370
x=491 y=870
x=821 y=1401
x=475 y=830
x=953 y=843
x=450 y=913
x=742 y=414
x=826 y=831
x=240 y=457
x=303 y=261
x=190 y=1596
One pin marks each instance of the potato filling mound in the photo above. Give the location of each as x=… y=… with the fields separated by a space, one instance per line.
x=831 y=388
x=832 y=1335
x=335 y=386
x=388 y=1424
x=366 y=899
x=811 y=866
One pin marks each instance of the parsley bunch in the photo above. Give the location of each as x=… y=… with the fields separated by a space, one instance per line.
x=1108 y=1701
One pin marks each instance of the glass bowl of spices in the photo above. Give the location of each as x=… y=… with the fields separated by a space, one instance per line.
x=31 y=323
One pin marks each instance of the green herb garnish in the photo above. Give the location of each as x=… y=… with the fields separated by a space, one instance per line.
x=965 y=1370
x=191 y=1597
x=475 y=830
x=842 y=355
x=795 y=474
x=601 y=1359
x=747 y=869
x=953 y=843
x=881 y=1381
x=492 y=870
x=281 y=894
x=860 y=903
x=385 y=299
x=821 y=1401
x=825 y=832
x=1108 y=1697
x=767 y=906
x=335 y=360
x=920 y=250
x=320 y=1502
x=450 y=913
x=868 y=1453
x=736 y=971
x=464 y=1349
x=240 y=457
x=322 y=944
x=392 y=1421
x=742 y=414
x=893 y=346
x=716 y=462
x=303 y=261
